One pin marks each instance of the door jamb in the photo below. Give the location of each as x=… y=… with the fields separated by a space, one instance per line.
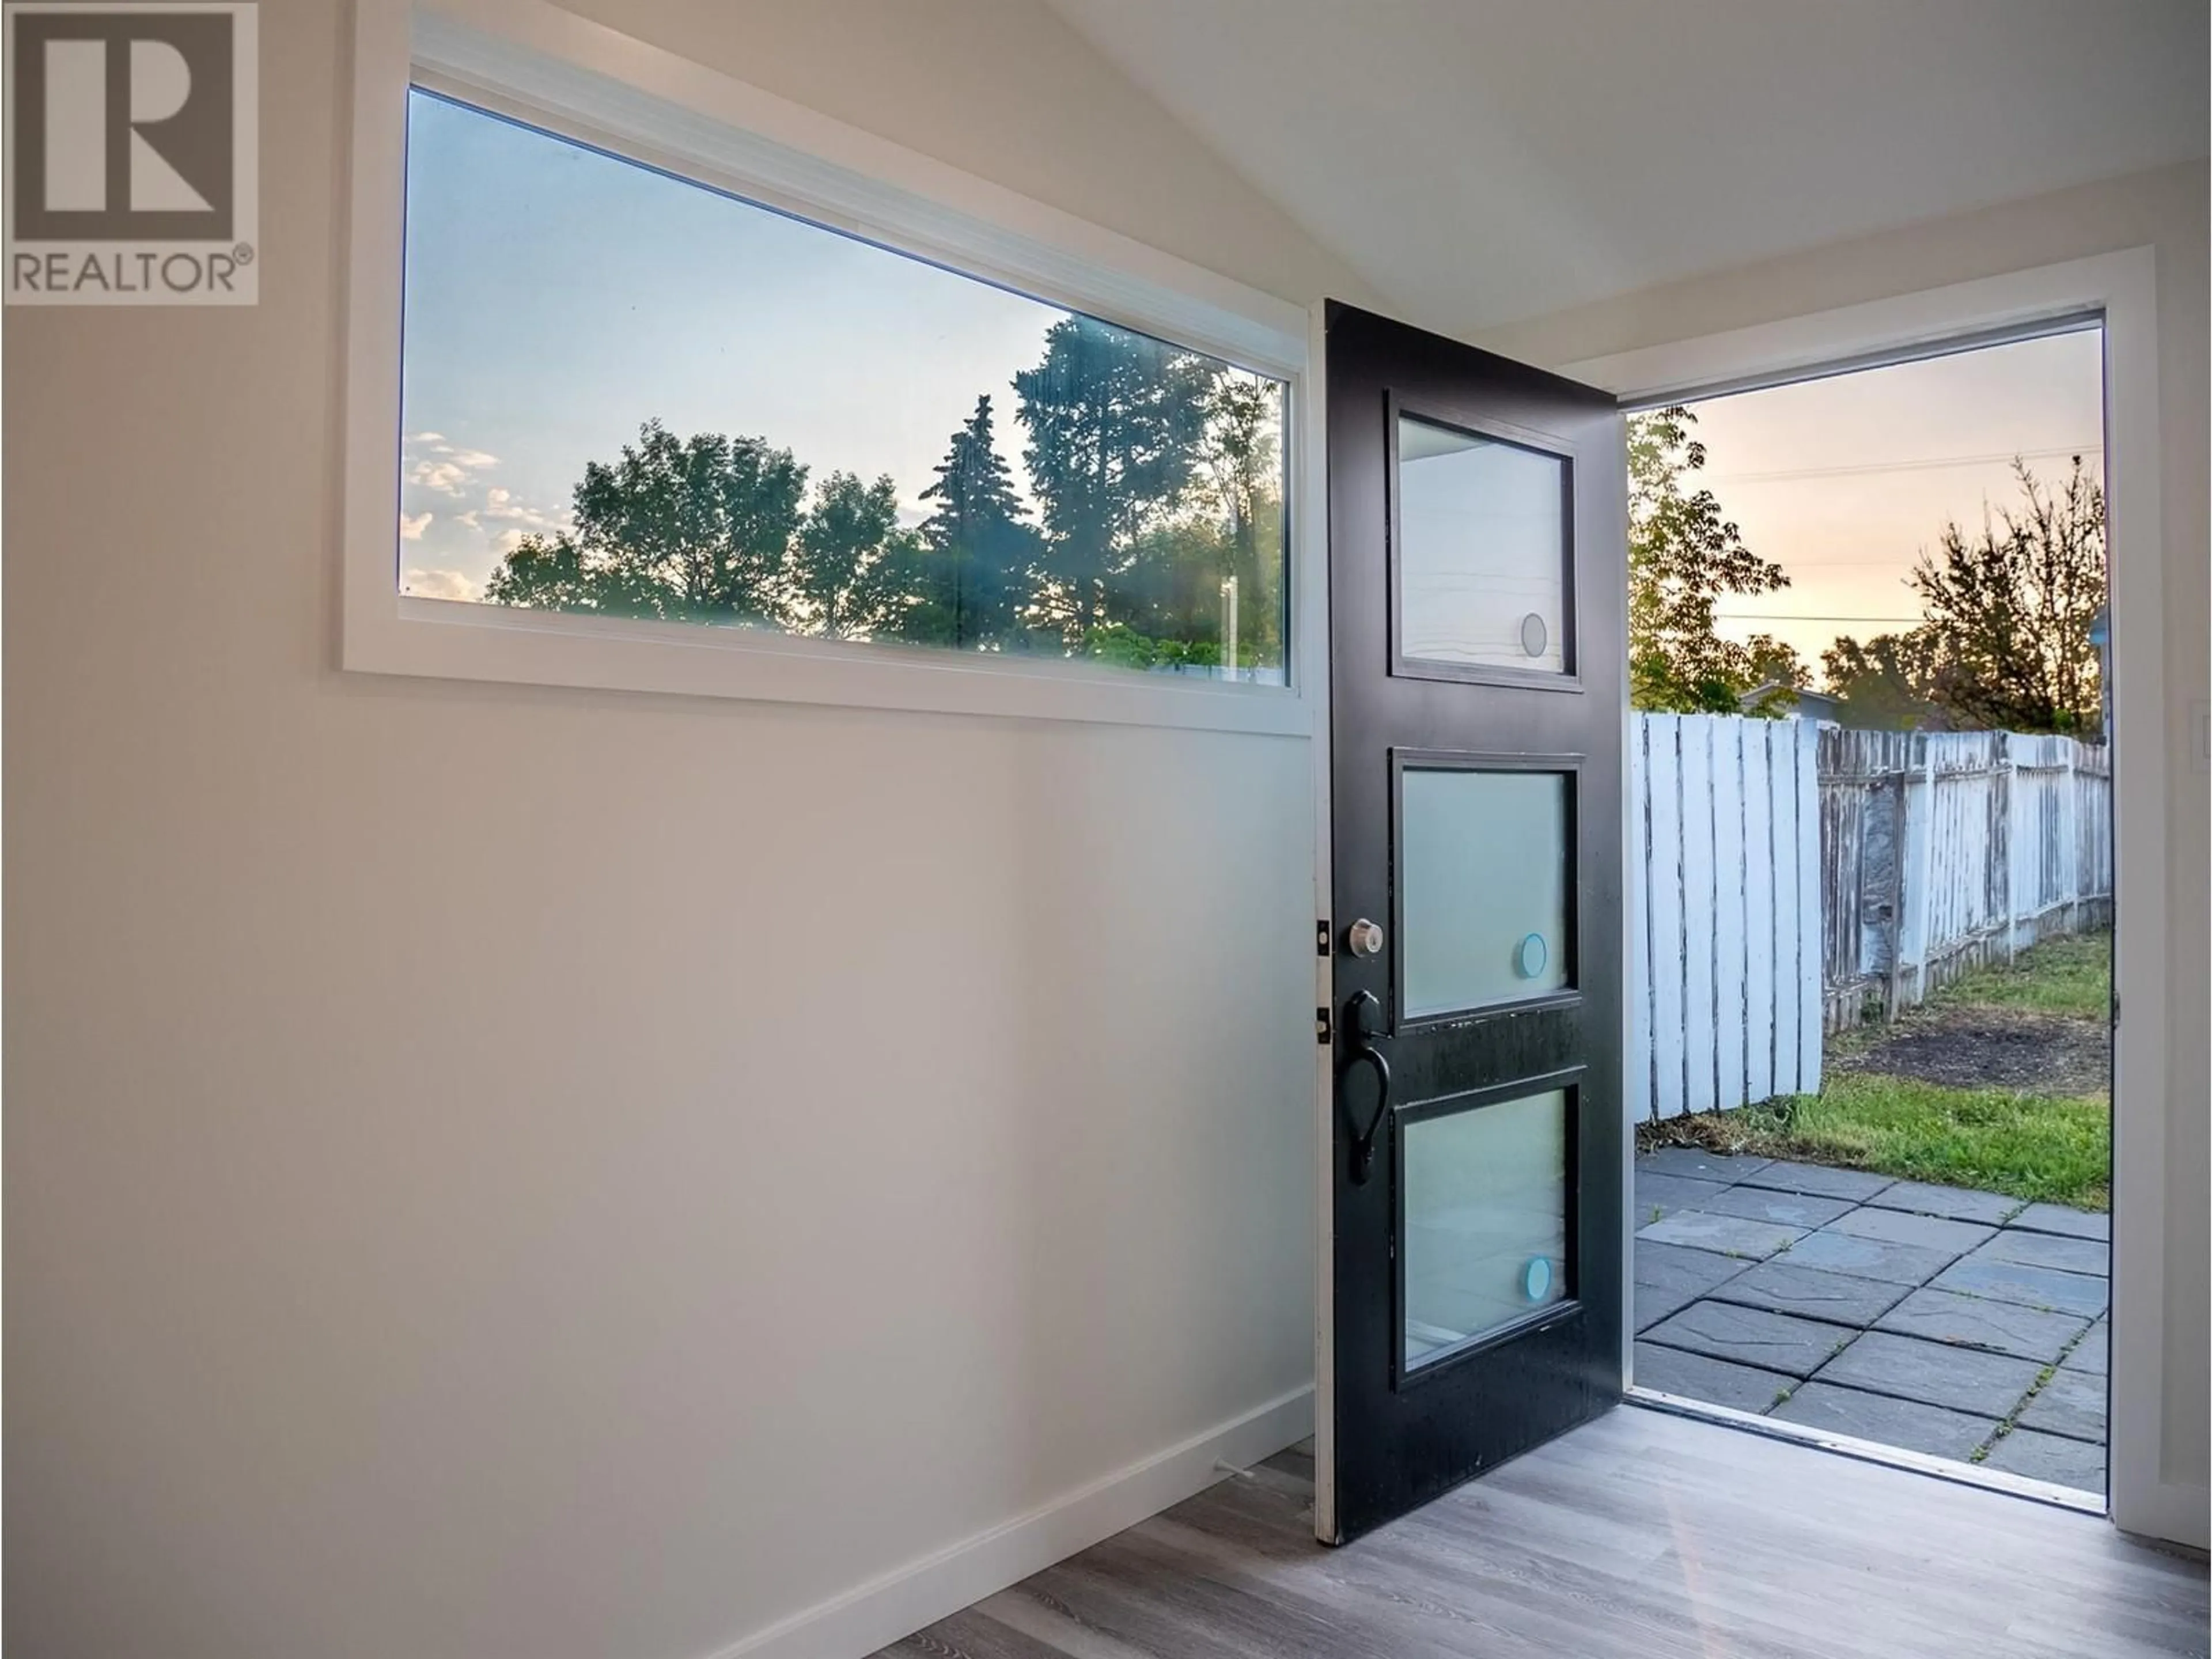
x=2121 y=287
x=1310 y=660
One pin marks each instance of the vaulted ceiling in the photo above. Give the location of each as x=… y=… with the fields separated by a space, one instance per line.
x=1484 y=161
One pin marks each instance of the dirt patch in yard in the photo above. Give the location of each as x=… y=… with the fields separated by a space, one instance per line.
x=1984 y=1047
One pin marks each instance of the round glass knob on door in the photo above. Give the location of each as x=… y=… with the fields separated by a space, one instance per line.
x=1363 y=938
x=1530 y=956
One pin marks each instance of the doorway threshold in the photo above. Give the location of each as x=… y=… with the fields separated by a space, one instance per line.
x=1872 y=1451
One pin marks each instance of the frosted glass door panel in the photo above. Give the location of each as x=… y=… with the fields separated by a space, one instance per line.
x=1486 y=1220
x=1482 y=551
x=1483 y=888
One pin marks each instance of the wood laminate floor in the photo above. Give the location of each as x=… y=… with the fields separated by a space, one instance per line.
x=1641 y=1536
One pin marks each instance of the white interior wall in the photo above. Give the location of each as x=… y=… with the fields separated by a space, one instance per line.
x=2165 y=210
x=497 y=1170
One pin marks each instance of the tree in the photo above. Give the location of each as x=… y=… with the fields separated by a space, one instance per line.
x=1682 y=557
x=974 y=570
x=2004 y=644
x=1888 y=681
x=2009 y=612
x=697 y=528
x=1221 y=549
x=1114 y=421
x=854 y=570
x=1777 y=674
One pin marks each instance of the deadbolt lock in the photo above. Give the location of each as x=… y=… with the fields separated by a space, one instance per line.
x=1363 y=938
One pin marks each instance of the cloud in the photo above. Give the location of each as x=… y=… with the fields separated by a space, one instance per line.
x=501 y=504
x=412 y=525
x=438 y=585
x=439 y=466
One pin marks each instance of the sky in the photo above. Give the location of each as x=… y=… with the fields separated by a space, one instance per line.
x=1843 y=482
x=557 y=299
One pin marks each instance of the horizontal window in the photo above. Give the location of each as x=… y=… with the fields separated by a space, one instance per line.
x=628 y=395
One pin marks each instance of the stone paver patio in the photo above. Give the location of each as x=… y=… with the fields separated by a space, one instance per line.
x=1969 y=1325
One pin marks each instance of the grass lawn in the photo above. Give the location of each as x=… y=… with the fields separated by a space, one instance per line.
x=2070 y=976
x=2055 y=1148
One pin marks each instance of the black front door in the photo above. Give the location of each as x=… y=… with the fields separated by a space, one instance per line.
x=1478 y=564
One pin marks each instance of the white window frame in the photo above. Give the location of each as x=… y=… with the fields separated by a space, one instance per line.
x=567 y=75
x=2121 y=287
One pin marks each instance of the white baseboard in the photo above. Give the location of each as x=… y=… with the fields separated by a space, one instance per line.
x=881 y=1611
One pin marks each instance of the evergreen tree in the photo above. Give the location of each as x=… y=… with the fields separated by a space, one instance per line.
x=1114 y=421
x=974 y=569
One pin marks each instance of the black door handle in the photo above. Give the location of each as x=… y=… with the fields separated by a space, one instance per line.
x=1362 y=1018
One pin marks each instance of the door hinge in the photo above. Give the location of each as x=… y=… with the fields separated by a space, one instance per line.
x=1321 y=938
x=1322 y=1033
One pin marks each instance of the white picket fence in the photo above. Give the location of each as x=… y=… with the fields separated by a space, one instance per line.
x=1790 y=879
x=1725 y=950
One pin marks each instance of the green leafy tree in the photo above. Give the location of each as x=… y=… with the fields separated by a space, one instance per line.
x=697 y=528
x=1683 y=556
x=853 y=572
x=974 y=570
x=1888 y=680
x=2005 y=644
x=1115 y=422
x=1777 y=674
x=2009 y=612
x=1220 y=552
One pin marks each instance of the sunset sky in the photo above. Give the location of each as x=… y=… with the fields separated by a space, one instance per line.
x=1844 y=481
x=557 y=298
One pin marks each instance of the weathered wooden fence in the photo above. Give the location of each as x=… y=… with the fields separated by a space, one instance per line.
x=1940 y=851
x=1724 y=959
x=1790 y=879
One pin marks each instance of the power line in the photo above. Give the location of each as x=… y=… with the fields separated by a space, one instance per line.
x=1770 y=615
x=1927 y=465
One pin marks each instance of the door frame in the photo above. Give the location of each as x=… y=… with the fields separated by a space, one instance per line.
x=2120 y=289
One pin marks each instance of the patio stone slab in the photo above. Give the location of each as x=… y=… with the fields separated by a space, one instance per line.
x=1698 y=1163
x=1819 y=1180
x=1726 y=1234
x=2074 y=1463
x=1963 y=1379
x=1716 y=1381
x=1952 y=1203
x=2057 y=1219
x=1905 y=1422
x=2031 y=1288
x=1659 y=1196
x=1811 y=1293
x=1923 y=1231
x=1670 y=1278
x=2072 y=1404
x=1867 y=1258
x=2093 y=1353
x=2071 y=1255
x=1790 y=1209
x=1752 y=1336
x=1973 y=1321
